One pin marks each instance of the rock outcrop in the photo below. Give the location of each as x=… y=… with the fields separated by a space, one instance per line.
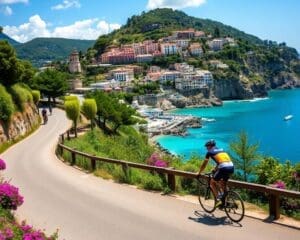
x=21 y=123
x=236 y=89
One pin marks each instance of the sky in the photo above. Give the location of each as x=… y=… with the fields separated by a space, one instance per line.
x=23 y=20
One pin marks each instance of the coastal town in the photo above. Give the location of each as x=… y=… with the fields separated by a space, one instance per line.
x=179 y=85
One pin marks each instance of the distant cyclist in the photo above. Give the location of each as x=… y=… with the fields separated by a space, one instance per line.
x=224 y=168
x=44 y=115
x=50 y=109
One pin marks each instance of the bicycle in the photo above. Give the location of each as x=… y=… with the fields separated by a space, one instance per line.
x=232 y=202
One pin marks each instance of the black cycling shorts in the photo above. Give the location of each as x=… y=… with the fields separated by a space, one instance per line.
x=223 y=173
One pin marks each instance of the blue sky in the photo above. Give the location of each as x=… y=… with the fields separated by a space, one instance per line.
x=87 y=19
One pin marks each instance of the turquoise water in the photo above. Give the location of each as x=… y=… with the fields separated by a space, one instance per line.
x=262 y=119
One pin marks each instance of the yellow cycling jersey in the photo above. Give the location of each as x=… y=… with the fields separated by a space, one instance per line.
x=218 y=155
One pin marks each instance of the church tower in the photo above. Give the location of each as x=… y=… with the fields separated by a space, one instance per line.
x=74 y=63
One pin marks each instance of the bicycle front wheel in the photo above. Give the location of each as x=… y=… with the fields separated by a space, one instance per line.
x=206 y=197
x=234 y=206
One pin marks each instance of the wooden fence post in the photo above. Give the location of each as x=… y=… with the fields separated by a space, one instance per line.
x=125 y=170
x=171 y=181
x=73 y=158
x=274 y=206
x=61 y=150
x=93 y=163
x=62 y=138
x=68 y=134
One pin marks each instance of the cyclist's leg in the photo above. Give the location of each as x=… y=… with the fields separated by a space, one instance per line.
x=214 y=183
x=226 y=173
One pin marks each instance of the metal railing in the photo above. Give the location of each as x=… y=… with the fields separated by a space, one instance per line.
x=274 y=194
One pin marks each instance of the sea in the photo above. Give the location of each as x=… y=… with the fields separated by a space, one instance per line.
x=261 y=118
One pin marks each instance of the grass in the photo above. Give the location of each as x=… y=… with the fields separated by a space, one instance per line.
x=4 y=146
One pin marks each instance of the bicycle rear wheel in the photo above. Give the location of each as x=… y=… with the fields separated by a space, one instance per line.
x=206 y=197
x=234 y=206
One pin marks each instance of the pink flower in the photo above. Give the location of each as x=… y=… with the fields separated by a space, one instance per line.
x=279 y=184
x=2 y=164
x=160 y=163
x=155 y=160
x=35 y=235
x=9 y=196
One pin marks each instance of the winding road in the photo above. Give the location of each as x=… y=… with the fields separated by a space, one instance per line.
x=84 y=207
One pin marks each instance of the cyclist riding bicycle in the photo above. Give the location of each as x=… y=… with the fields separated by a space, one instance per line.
x=224 y=168
x=44 y=114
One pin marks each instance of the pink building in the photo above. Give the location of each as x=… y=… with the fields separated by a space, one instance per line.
x=118 y=56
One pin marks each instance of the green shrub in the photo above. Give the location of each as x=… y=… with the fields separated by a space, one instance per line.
x=6 y=105
x=36 y=96
x=89 y=109
x=73 y=111
x=21 y=96
x=152 y=182
x=70 y=98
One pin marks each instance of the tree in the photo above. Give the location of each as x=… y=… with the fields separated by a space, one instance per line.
x=89 y=109
x=102 y=42
x=10 y=68
x=51 y=83
x=109 y=109
x=73 y=111
x=27 y=72
x=122 y=116
x=246 y=154
x=36 y=96
x=217 y=32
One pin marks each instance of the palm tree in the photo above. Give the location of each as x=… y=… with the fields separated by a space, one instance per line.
x=246 y=154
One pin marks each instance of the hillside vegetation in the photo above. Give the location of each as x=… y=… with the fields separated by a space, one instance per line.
x=161 y=22
x=41 y=50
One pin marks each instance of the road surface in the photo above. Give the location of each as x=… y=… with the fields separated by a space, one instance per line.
x=84 y=207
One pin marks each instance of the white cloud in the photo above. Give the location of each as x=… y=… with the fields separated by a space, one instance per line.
x=37 y=27
x=7 y=11
x=67 y=4
x=175 y=4
x=85 y=29
x=12 y=1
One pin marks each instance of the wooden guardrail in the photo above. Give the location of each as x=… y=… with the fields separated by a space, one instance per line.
x=273 y=193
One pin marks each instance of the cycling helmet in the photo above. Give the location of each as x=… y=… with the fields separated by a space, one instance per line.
x=210 y=143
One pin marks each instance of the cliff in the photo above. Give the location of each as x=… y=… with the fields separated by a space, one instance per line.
x=20 y=125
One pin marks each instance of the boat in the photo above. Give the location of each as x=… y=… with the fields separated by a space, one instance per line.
x=208 y=119
x=288 y=117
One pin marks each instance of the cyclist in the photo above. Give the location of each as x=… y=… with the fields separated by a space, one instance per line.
x=50 y=108
x=221 y=173
x=44 y=114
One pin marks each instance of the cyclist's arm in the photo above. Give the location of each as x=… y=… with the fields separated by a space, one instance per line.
x=203 y=165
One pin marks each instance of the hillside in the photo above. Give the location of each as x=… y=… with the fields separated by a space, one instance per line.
x=11 y=41
x=41 y=50
x=253 y=65
x=161 y=22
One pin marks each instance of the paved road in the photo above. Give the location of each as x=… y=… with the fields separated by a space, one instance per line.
x=84 y=207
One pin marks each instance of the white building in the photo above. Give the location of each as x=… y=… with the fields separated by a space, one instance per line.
x=183 y=67
x=191 y=81
x=168 y=48
x=183 y=43
x=169 y=76
x=123 y=74
x=144 y=58
x=196 y=49
x=217 y=44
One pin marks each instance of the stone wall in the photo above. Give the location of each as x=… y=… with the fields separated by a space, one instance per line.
x=21 y=123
